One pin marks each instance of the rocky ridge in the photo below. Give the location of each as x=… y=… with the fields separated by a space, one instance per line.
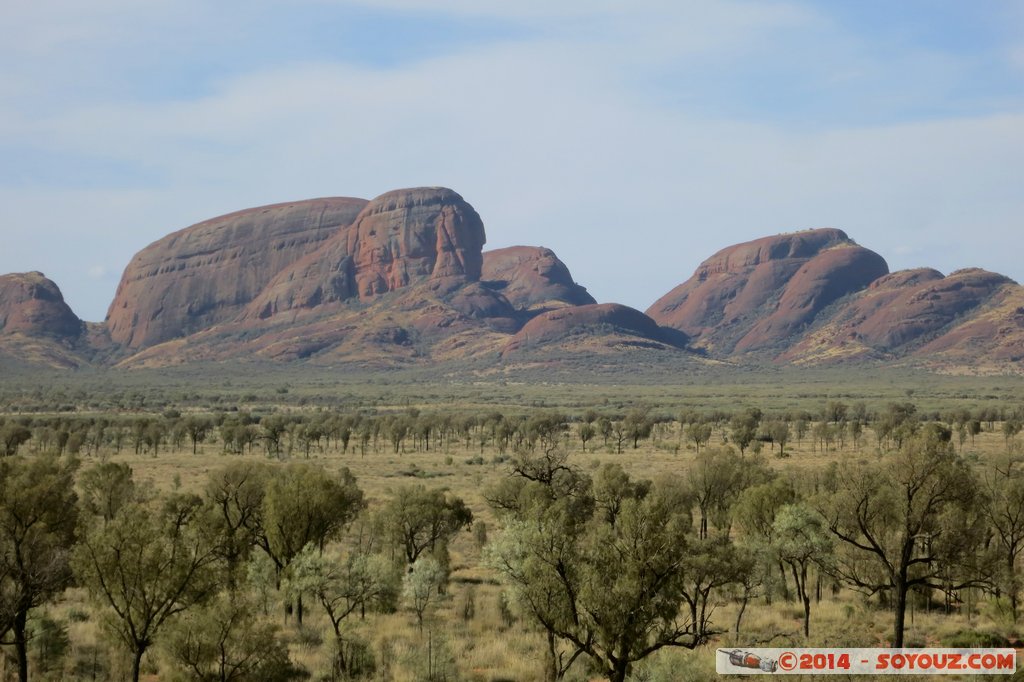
x=404 y=279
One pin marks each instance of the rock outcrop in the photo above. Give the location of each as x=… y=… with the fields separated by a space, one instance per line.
x=398 y=239
x=989 y=340
x=206 y=274
x=592 y=320
x=32 y=305
x=756 y=295
x=910 y=307
x=532 y=279
x=910 y=312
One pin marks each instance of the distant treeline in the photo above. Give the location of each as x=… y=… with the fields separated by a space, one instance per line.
x=837 y=425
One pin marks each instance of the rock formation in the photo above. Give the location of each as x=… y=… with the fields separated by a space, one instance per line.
x=206 y=274
x=403 y=279
x=32 y=305
x=757 y=294
x=532 y=278
x=592 y=319
x=910 y=312
x=398 y=239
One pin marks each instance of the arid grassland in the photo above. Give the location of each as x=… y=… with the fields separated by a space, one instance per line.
x=258 y=524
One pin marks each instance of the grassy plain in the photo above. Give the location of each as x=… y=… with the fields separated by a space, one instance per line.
x=571 y=385
x=472 y=636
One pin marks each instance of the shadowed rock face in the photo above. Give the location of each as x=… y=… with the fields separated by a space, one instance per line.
x=991 y=336
x=33 y=305
x=756 y=294
x=593 y=318
x=398 y=239
x=920 y=313
x=822 y=280
x=412 y=234
x=895 y=311
x=207 y=273
x=532 y=278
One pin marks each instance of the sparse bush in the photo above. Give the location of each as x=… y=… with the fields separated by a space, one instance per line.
x=974 y=639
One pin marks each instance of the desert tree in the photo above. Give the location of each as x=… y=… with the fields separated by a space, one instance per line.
x=545 y=430
x=638 y=425
x=605 y=428
x=345 y=585
x=778 y=432
x=420 y=519
x=12 y=437
x=699 y=433
x=835 y=411
x=197 y=428
x=540 y=479
x=905 y=523
x=226 y=640
x=620 y=434
x=423 y=587
x=754 y=512
x=717 y=477
x=1003 y=509
x=106 y=488
x=272 y=430
x=234 y=496
x=743 y=428
x=898 y=423
x=612 y=486
x=38 y=515
x=586 y=432
x=800 y=540
x=615 y=593
x=304 y=504
x=147 y=565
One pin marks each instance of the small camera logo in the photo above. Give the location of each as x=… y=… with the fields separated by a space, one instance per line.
x=745 y=659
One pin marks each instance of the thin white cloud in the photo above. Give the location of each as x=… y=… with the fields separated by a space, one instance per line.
x=556 y=141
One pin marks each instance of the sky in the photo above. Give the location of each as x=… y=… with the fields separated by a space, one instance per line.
x=634 y=138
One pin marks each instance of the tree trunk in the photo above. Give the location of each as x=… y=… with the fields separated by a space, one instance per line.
x=901 y=614
x=739 y=616
x=618 y=671
x=551 y=674
x=137 y=663
x=807 y=614
x=785 y=585
x=21 y=644
x=340 y=667
x=1011 y=565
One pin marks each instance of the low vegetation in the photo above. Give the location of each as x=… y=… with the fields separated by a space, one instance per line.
x=440 y=542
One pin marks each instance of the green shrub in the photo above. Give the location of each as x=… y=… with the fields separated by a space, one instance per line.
x=974 y=639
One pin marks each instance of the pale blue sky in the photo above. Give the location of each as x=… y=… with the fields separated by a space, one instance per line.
x=635 y=139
